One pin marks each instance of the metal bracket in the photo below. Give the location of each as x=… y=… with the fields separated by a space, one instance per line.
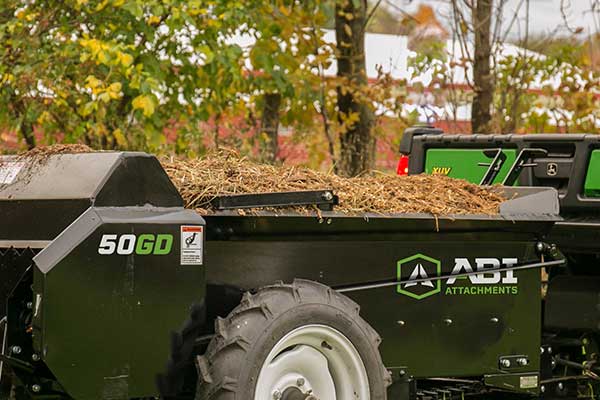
x=520 y=163
x=507 y=363
x=324 y=199
x=498 y=158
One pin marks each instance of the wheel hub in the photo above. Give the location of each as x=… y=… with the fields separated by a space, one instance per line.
x=310 y=363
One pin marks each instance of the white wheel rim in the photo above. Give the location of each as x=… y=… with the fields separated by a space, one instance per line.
x=317 y=360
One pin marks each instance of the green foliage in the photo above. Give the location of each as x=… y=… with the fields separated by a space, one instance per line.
x=116 y=73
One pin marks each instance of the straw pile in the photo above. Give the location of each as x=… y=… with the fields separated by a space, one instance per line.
x=45 y=151
x=200 y=180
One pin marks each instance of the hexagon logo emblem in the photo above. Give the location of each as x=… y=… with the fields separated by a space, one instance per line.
x=418 y=268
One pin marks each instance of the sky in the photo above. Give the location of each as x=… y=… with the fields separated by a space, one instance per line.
x=544 y=15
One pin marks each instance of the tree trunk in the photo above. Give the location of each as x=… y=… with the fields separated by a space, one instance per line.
x=357 y=144
x=482 y=77
x=270 y=126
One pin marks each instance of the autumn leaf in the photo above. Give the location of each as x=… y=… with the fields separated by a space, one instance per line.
x=144 y=103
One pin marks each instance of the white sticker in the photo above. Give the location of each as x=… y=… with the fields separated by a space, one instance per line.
x=9 y=171
x=192 y=241
x=529 y=382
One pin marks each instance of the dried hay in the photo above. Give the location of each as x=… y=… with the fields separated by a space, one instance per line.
x=200 y=180
x=45 y=151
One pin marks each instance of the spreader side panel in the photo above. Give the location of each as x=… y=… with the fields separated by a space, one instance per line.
x=113 y=294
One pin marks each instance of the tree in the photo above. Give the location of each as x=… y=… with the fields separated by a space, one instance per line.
x=357 y=151
x=483 y=78
x=116 y=73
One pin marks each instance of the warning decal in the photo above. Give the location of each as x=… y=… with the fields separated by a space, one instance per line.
x=192 y=241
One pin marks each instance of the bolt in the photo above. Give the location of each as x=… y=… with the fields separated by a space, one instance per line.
x=549 y=350
x=327 y=196
x=15 y=350
x=560 y=386
x=539 y=246
x=542 y=350
x=277 y=395
x=494 y=320
x=553 y=363
x=30 y=305
x=36 y=388
x=542 y=388
x=401 y=323
x=585 y=341
x=300 y=382
x=402 y=372
x=522 y=361
x=35 y=357
x=505 y=362
x=448 y=321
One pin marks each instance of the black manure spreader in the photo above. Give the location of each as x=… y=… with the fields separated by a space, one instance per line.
x=110 y=289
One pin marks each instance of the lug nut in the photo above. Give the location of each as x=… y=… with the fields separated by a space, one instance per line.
x=505 y=362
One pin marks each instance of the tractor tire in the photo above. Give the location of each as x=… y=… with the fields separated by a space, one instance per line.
x=293 y=341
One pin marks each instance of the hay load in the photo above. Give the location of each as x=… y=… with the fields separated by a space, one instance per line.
x=200 y=180
x=225 y=173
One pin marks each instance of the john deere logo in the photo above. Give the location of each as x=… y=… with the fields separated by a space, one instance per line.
x=414 y=272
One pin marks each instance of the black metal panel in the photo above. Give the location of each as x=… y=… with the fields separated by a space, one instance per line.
x=23 y=220
x=49 y=195
x=573 y=304
x=463 y=334
x=128 y=315
x=13 y=263
x=138 y=179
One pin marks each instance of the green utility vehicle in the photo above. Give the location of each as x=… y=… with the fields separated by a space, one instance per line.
x=569 y=163
x=110 y=289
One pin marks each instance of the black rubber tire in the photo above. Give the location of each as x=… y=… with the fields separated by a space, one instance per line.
x=230 y=367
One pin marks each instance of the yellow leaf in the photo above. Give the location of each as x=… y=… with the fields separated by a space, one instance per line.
x=92 y=82
x=115 y=87
x=144 y=103
x=102 y=5
x=125 y=59
x=153 y=20
x=119 y=137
